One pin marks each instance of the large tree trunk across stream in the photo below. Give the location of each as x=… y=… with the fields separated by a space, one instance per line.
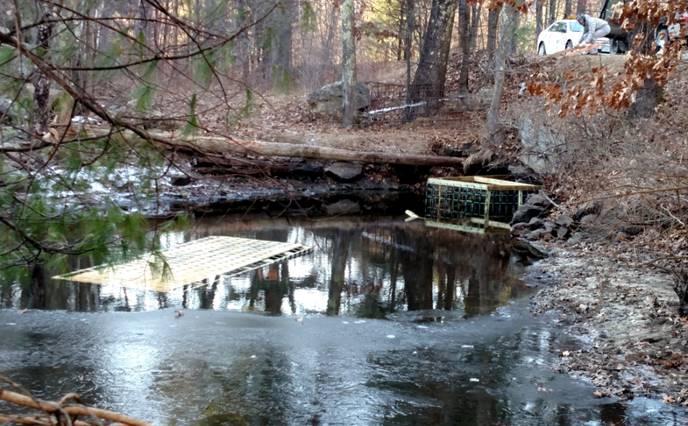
x=216 y=145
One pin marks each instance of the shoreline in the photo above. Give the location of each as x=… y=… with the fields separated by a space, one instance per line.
x=630 y=340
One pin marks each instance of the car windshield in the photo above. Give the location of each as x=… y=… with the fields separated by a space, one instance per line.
x=576 y=27
x=559 y=27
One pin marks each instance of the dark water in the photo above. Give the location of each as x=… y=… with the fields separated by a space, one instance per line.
x=384 y=323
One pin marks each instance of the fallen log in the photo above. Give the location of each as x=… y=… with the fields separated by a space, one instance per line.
x=217 y=145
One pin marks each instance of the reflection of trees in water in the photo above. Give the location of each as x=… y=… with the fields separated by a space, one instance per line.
x=340 y=254
x=273 y=285
x=38 y=291
x=365 y=270
x=6 y=295
x=439 y=270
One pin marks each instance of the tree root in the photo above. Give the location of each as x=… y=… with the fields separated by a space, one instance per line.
x=67 y=412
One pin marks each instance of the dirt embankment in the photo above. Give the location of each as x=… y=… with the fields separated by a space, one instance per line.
x=630 y=339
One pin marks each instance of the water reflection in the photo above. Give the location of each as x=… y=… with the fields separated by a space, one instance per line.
x=367 y=269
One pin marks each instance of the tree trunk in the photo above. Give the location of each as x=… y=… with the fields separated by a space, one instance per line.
x=647 y=99
x=581 y=6
x=567 y=9
x=492 y=26
x=327 y=60
x=281 y=43
x=513 y=46
x=552 y=11
x=509 y=17
x=243 y=43
x=410 y=9
x=464 y=28
x=213 y=145
x=41 y=83
x=348 y=63
x=476 y=10
x=538 y=18
x=428 y=83
x=337 y=272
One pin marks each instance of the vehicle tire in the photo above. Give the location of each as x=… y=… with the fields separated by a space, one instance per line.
x=661 y=38
x=541 y=49
x=615 y=47
x=569 y=45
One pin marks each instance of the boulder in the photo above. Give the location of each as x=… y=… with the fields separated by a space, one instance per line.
x=536 y=206
x=539 y=200
x=565 y=221
x=345 y=171
x=592 y=208
x=563 y=232
x=527 y=212
x=343 y=207
x=540 y=146
x=328 y=99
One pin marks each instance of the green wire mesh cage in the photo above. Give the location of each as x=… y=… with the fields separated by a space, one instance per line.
x=458 y=198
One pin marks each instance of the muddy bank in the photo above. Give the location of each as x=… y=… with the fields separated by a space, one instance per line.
x=293 y=197
x=629 y=339
x=333 y=189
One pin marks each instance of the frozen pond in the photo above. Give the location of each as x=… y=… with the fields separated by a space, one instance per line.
x=384 y=323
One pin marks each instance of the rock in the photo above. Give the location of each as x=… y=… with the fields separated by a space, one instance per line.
x=632 y=231
x=588 y=220
x=541 y=146
x=592 y=208
x=564 y=221
x=563 y=232
x=328 y=99
x=538 y=234
x=527 y=251
x=539 y=200
x=343 y=207
x=536 y=223
x=549 y=227
x=527 y=212
x=522 y=173
x=345 y=171
x=519 y=229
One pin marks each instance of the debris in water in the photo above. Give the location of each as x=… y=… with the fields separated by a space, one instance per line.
x=359 y=322
x=11 y=323
x=467 y=347
x=422 y=327
x=391 y=336
x=253 y=357
x=178 y=313
x=345 y=322
x=474 y=380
